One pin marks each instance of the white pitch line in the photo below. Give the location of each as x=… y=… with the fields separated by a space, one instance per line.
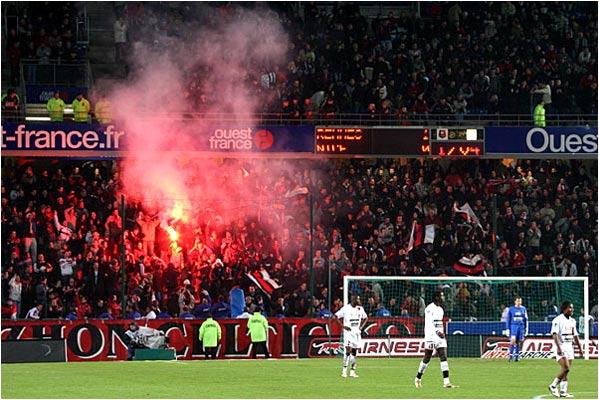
x=543 y=396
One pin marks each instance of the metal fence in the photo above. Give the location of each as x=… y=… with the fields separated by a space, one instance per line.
x=55 y=73
x=377 y=120
x=474 y=120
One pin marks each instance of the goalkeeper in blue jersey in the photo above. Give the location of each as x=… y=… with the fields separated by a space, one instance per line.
x=516 y=325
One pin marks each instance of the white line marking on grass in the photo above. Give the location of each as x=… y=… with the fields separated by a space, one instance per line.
x=175 y=362
x=544 y=396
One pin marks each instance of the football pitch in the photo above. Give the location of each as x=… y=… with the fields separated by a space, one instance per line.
x=297 y=379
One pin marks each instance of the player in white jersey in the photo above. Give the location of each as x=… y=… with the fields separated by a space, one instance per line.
x=434 y=338
x=563 y=330
x=354 y=318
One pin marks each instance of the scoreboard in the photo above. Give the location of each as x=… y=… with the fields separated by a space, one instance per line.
x=399 y=141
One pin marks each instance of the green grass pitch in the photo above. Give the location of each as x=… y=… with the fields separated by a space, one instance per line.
x=301 y=378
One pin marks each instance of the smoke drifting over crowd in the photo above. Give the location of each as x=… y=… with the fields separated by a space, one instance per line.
x=223 y=60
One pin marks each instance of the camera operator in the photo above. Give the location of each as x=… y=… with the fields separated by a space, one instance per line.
x=132 y=340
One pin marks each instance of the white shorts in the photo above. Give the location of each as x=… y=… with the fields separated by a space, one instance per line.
x=352 y=339
x=567 y=351
x=435 y=344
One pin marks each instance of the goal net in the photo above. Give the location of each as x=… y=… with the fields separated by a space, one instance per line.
x=475 y=310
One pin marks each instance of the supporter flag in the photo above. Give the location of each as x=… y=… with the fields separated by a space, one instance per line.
x=263 y=280
x=429 y=233
x=415 y=236
x=297 y=191
x=268 y=79
x=471 y=216
x=470 y=265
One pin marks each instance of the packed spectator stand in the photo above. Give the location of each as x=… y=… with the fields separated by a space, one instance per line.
x=492 y=58
x=40 y=34
x=60 y=223
x=363 y=213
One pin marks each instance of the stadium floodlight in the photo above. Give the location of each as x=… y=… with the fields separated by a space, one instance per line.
x=474 y=302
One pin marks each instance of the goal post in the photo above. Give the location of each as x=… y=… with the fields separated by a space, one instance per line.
x=474 y=308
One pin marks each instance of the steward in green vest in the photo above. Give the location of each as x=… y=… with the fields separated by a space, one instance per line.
x=55 y=107
x=81 y=108
x=210 y=335
x=539 y=114
x=258 y=327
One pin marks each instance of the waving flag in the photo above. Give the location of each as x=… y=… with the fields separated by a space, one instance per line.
x=470 y=215
x=263 y=280
x=429 y=234
x=470 y=265
x=415 y=236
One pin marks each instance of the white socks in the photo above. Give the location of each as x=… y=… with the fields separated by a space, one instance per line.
x=555 y=382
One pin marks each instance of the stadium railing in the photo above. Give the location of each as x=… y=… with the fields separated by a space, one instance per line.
x=34 y=111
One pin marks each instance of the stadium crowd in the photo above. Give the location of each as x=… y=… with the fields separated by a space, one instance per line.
x=458 y=58
x=62 y=227
x=41 y=33
x=62 y=234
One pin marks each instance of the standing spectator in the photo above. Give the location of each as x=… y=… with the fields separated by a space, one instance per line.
x=15 y=288
x=568 y=267
x=67 y=267
x=65 y=232
x=120 y=38
x=442 y=109
x=81 y=108
x=55 y=107
x=148 y=229
x=454 y=14
x=258 y=329
x=539 y=114
x=29 y=235
x=545 y=90
x=10 y=106
x=113 y=226
x=210 y=335
x=43 y=54
x=41 y=295
x=95 y=283
x=459 y=107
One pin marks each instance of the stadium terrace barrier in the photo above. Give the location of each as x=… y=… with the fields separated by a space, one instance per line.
x=33 y=110
x=103 y=340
